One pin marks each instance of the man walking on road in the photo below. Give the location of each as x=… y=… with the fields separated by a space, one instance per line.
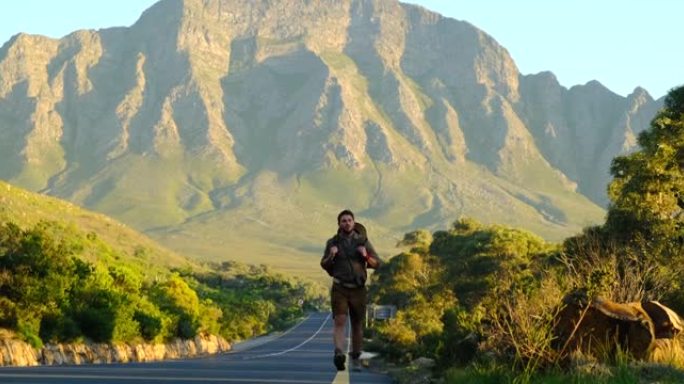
x=347 y=256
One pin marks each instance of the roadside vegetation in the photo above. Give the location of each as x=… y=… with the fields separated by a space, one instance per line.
x=481 y=301
x=71 y=275
x=50 y=293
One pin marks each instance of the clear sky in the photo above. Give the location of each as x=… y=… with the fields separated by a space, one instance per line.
x=622 y=44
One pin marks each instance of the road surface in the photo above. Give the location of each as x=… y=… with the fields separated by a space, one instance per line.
x=301 y=355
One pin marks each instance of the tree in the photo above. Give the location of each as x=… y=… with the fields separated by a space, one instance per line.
x=175 y=297
x=647 y=193
x=477 y=257
x=37 y=271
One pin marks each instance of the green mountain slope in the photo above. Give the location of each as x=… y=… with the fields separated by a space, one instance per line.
x=285 y=222
x=103 y=238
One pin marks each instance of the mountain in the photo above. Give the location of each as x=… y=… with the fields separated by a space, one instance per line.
x=582 y=129
x=238 y=129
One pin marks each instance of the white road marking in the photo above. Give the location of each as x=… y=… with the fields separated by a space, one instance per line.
x=295 y=347
x=267 y=339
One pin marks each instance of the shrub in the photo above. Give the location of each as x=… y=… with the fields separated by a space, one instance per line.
x=58 y=327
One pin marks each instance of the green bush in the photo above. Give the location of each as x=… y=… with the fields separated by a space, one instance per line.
x=58 y=327
x=8 y=313
x=28 y=331
x=153 y=323
x=96 y=323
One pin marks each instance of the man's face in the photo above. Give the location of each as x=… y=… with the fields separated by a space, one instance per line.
x=346 y=223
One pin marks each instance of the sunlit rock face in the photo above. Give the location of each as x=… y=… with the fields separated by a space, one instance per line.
x=14 y=352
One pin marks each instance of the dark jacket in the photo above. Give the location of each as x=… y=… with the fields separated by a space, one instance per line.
x=348 y=267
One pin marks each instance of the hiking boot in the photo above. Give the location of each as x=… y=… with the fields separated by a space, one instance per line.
x=356 y=365
x=339 y=360
x=355 y=361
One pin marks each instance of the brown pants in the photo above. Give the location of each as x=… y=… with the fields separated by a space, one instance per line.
x=350 y=301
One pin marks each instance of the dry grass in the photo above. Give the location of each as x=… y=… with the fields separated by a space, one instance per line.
x=667 y=352
x=619 y=274
x=524 y=327
x=6 y=334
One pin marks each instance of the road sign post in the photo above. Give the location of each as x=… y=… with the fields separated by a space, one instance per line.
x=383 y=312
x=380 y=312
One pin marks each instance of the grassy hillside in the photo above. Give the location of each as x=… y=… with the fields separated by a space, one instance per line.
x=104 y=239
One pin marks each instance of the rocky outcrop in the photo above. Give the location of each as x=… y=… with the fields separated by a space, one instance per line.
x=14 y=352
x=581 y=129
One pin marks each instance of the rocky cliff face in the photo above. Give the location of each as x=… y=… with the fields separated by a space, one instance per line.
x=17 y=353
x=209 y=112
x=582 y=129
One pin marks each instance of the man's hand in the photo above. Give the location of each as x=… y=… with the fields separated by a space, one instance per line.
x=371 y=261
x=362 y=250
x=333 y=251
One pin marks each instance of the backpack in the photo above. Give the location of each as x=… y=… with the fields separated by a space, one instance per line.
x=358 y=228
x=361 y=230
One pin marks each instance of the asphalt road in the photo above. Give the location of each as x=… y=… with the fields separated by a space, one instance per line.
x=300 y=355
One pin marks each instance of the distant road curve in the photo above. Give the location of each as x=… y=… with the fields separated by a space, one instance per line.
x=301 y=355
